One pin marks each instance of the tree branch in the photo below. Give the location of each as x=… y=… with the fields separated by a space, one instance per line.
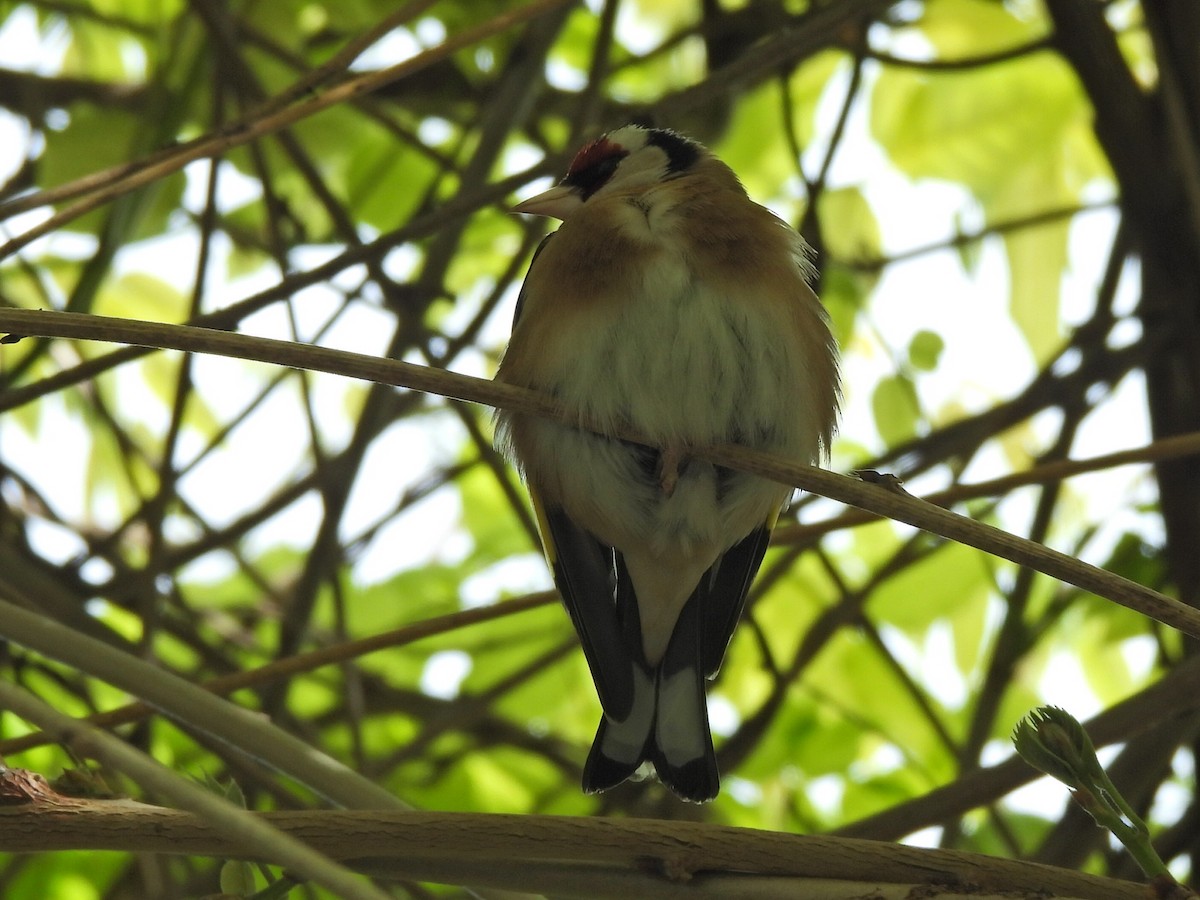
x=111 y=183
x=890 y=502
x=571 y=857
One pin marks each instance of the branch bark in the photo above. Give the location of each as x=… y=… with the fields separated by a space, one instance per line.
x=890 y=502
x=570 y=857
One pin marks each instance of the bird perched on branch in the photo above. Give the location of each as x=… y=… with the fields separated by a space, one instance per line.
x=670 y=306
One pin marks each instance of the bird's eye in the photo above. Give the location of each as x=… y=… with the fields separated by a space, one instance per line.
x=594 y=176
x=594 y=165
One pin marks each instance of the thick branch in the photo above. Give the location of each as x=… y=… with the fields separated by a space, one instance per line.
x=600 y=857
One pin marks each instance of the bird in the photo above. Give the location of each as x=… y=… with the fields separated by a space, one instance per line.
x=670 y=306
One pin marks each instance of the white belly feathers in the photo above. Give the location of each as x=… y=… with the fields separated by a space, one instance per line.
x=685 y=366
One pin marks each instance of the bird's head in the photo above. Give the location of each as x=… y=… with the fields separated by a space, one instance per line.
x=630 y=158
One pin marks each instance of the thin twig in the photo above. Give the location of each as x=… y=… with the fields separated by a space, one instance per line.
x=233 y=824
x=111 y=183
x=307 y=662
x=179 y=698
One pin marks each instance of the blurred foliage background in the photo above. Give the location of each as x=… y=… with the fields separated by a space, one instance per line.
x=1004 y=198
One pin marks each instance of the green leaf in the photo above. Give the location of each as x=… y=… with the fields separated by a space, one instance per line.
x=92 y=139
x=845 y=293
x=488 y=242
x=149 y=12
x=237 y=878
x=925 y=349
x=988 y=836
x=1107 y=672
x=970 y=252
x=759 y=155
x=940 y=585
x=807 y=84
x=866 y=798
x=961 y=29
x=1036 y=260
x=74 y=875
x=104 y=475
x=248 y=225
x=652 y=76
x=970 y=127
x=431 y=590
x=489 y=518
x=1136 y=560
x=576 y=44
x=795 y=600
x=93 y=53
x=894 y=403
x=853 y=679
x=382 y=180
x=968 y=624
x=138 y=295
x=848 y=224
x=807 y=737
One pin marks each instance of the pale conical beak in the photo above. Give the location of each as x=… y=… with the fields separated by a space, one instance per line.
x=558 y=202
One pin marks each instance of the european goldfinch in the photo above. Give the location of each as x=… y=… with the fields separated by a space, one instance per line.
x=671 y=305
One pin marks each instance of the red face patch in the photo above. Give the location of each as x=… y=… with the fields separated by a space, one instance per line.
x=591 y=154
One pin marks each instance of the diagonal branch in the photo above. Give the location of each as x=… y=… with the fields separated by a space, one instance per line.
x=892 y=503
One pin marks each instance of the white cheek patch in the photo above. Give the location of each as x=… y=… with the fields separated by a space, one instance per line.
x=644 y=166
